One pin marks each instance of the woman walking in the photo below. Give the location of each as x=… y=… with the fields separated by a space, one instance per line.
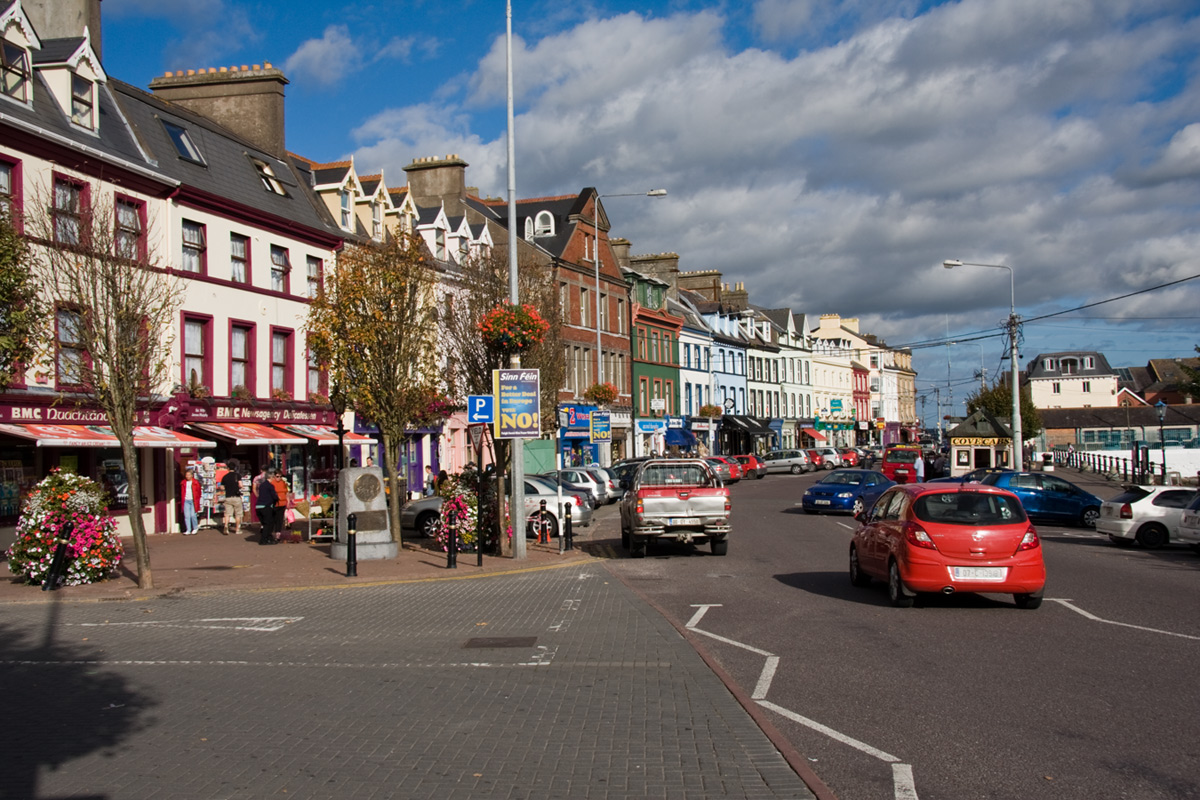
x=189 y=497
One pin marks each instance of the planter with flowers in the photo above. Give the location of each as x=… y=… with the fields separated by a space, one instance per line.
x=509 y=328
x=460 y=514
x=281 y=394
x=602 y=394
x=94 y=549
x=710 y=410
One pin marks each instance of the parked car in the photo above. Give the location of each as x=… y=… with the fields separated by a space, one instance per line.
x=793 y=461
x=974 y=476
x=422 y=515
x=851 y=457
x=846 y=490
x=1189 y=524
x=586 y=493
x=1048 y=497
x=946 y=538
x=830 y=458
x=752 y=466
x=899 y=462
x=1149 y=515
x=816 y=461
x=605 y=480
x=723 y=469
x=623 y=470
x=580 y=476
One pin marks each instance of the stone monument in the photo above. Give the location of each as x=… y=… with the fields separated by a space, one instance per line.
x=360 y=492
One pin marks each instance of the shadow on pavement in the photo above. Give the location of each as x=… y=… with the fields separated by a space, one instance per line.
x=836 y=585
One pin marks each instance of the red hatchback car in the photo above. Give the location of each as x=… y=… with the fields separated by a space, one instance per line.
x=752 y=466
x=949 y=538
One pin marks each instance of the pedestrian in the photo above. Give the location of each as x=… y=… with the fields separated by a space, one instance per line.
x=370 y=462
x=189 y=497
x=284 y=494
x=430 y=480
x=919 y=468
x=232 y=485
x=265 y=499
x=442 y=481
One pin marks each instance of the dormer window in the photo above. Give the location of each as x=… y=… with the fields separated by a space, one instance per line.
x=345 y=198
x=83 y=101
x=528 y=228
x=543 y=225
x=377 y=220
x=14 y=72
x=184 y=145
x=267 y=176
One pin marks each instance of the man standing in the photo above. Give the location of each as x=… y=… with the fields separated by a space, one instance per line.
x=919 y=467
x=232 y=485
x=265 y=500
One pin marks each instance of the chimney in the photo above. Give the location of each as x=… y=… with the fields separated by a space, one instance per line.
x=65 y=19
x=247 y=100
x=736 y=299
x=436 y=181
x=620 y=248
x=664 y=266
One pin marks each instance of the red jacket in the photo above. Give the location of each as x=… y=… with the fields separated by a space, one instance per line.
x=195 y=492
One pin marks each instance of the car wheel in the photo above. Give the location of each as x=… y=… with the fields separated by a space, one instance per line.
x=1120 y=542
x=896 y=593
x=1152 y=536
x=637 y=548
x=829 y=465
x=624 y=537
x=535 y=520
x=1028 y=600
x=1089 y=517
x=720 y=546
x=796 y=469
x=857 y=576
x=426 y=523
x=858 y=506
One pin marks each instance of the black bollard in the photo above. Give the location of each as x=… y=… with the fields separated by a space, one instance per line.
x=452 y=548
x=58 y=565
x=543 y=528
x=568 y=535
x=351 y=545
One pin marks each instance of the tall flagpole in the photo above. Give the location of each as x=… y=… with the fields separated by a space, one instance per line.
x=517 y=512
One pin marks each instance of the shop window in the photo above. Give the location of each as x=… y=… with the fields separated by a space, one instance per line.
x=195 y=247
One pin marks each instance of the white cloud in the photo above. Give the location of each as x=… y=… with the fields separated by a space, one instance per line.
x=328 y=60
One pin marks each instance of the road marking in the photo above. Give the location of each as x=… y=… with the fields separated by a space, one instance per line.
x=847 y=527
x=902 y=780
x=261 y=624
x=831 y=733
x=765 y=678
x=1069 y=604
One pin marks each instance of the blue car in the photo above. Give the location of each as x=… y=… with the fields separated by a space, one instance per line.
x=1049 y=498
x=974 y=476
x=846 y=490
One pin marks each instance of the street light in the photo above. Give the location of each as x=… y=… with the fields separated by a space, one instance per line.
x=596 y=259
x=951 y=263
x=1161 y=408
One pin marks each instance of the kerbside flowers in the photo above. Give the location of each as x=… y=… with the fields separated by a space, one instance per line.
x=94 y=549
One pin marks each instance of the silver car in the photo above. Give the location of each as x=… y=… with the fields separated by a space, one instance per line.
x=793 y=461
x=422 y=515
x=1148 y=515
x=582 y=477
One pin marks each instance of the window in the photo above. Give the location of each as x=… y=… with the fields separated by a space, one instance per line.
x=564 y=303
x=345 y=199
x=585 y=308
x=10 y=186
x=543 y=225
x=281 y=362
x=655 y=354
x=528 y=228
x=281 y=268
x=241 y=359
x=239 y=258
x=1089 y=362
x=130 y=237
x=377 y=220
x=70 y=201
x=316 y=277
x=604 y=312
x=70 y=360
x=267 y=175
x=621 y=317
x=197 y=349
x=83 y=93
x=1056 y=387
x=184 y=145
x=315 y=382
x=643 y=397
x=439 y=241
x=1087 y=387
x=194 y=247
x=14 y=72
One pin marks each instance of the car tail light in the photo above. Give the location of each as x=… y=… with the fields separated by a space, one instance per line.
x=917 y=537
x=578 y=501
x=1126 y=512
x=1030 y=541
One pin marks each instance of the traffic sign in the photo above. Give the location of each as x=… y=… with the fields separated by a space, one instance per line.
x=476 y=432
x=481 y=408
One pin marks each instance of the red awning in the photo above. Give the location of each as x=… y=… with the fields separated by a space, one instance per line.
x=325 y=435
x=100 y=436
x=247 y=433
x=814 y=434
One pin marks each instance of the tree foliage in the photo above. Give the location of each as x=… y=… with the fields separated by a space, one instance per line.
x=374 y=325
x=123 y=308
x=23 y=315
x=1190 y=385
x=997 y=400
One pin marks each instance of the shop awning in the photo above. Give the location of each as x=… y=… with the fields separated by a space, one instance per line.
x=751 y=425
x=326 y=435
x=820 y=437
x=679 y=437
x=247 y=433
x=100 y=436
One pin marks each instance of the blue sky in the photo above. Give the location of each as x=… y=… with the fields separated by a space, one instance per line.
x=830 y=155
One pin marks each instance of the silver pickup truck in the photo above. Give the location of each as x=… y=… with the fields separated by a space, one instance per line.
x=680 y=499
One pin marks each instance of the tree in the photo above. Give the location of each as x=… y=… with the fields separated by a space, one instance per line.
x=23 y=315
x=119 y=307
x=997 y=400
x=374 y=324
x=1190 y=385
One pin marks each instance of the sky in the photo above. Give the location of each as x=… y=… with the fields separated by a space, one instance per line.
x=829 y=155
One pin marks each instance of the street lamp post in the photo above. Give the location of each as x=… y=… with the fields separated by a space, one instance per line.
x=596 y=259
x=1018 y=439
x=1161 y=408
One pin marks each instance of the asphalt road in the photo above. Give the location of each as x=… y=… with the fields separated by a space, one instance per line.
x=1091 y=696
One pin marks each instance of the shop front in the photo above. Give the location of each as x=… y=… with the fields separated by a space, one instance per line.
x=742 y=434
x=650 y=437
x=575 y=437
x=977 y=442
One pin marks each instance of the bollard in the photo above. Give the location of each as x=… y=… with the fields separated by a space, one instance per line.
x=543 y=529
x=452 y=547
x=568 y=535
x=351 y=546
x=58 y=565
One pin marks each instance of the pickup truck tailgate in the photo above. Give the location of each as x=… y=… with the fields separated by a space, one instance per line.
x=682 y=504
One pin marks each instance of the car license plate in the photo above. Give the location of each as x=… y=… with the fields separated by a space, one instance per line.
x=684 y=521
x=978 y=573
x=820 y=502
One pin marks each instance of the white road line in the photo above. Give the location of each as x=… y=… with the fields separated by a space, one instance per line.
x=902 y=780
x=765 y=677
x=754 y=650
x=260 y=624
x=701 y=610
x=874 y=752
x=847 y=527
x=1094 y=618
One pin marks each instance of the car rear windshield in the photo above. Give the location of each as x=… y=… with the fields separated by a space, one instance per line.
x=901 y=456
x=675 y=475
x=1131 y=495
x=969 y=508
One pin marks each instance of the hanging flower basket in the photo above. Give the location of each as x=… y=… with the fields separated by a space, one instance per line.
x=602 y=394
x=436 y=408
x=509 y=328
x=710 y=410
x=94 y=549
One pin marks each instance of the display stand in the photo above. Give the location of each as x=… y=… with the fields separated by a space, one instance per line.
x=206 y=469
x=322 y=515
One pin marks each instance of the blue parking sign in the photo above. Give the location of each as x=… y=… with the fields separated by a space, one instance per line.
x=481 y=408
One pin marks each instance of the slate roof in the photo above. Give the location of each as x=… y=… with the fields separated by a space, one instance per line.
x=1037 y=365
x=326 y=174
x=981 y=424
x=1116 y=417
x=57 y=51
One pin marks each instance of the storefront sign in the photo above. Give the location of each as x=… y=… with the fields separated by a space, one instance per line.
x=651 y=425
x=233 y=413
x=980 y=441
x=518 y=403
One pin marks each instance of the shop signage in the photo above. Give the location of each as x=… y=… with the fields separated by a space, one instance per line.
x=233 y=413
x=601 y=431
x=651 y=425
x=518 y=403
x=979 y=441
x=579 y=417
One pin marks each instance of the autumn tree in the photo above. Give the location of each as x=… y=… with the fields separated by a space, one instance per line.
x=997 y=400
x=1189 y=385
x=374 y=325
x=23 y=315
x=116 y=306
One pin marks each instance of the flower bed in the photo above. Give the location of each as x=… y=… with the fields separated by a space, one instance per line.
x=61 y=498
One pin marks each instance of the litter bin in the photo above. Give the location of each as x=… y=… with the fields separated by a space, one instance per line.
x=1047 y=462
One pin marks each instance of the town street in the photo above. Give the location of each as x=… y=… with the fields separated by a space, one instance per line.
x=960 y=697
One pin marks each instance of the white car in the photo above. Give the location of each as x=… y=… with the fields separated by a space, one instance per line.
x=1189 y=525
x=1148 y=515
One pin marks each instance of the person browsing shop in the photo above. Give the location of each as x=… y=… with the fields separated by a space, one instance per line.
x=189 y=497
x=232 y=486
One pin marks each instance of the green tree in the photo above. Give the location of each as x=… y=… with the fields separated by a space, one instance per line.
x=23 y=315
x=1190 y=385
x=997 y=400
x=374 y=325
